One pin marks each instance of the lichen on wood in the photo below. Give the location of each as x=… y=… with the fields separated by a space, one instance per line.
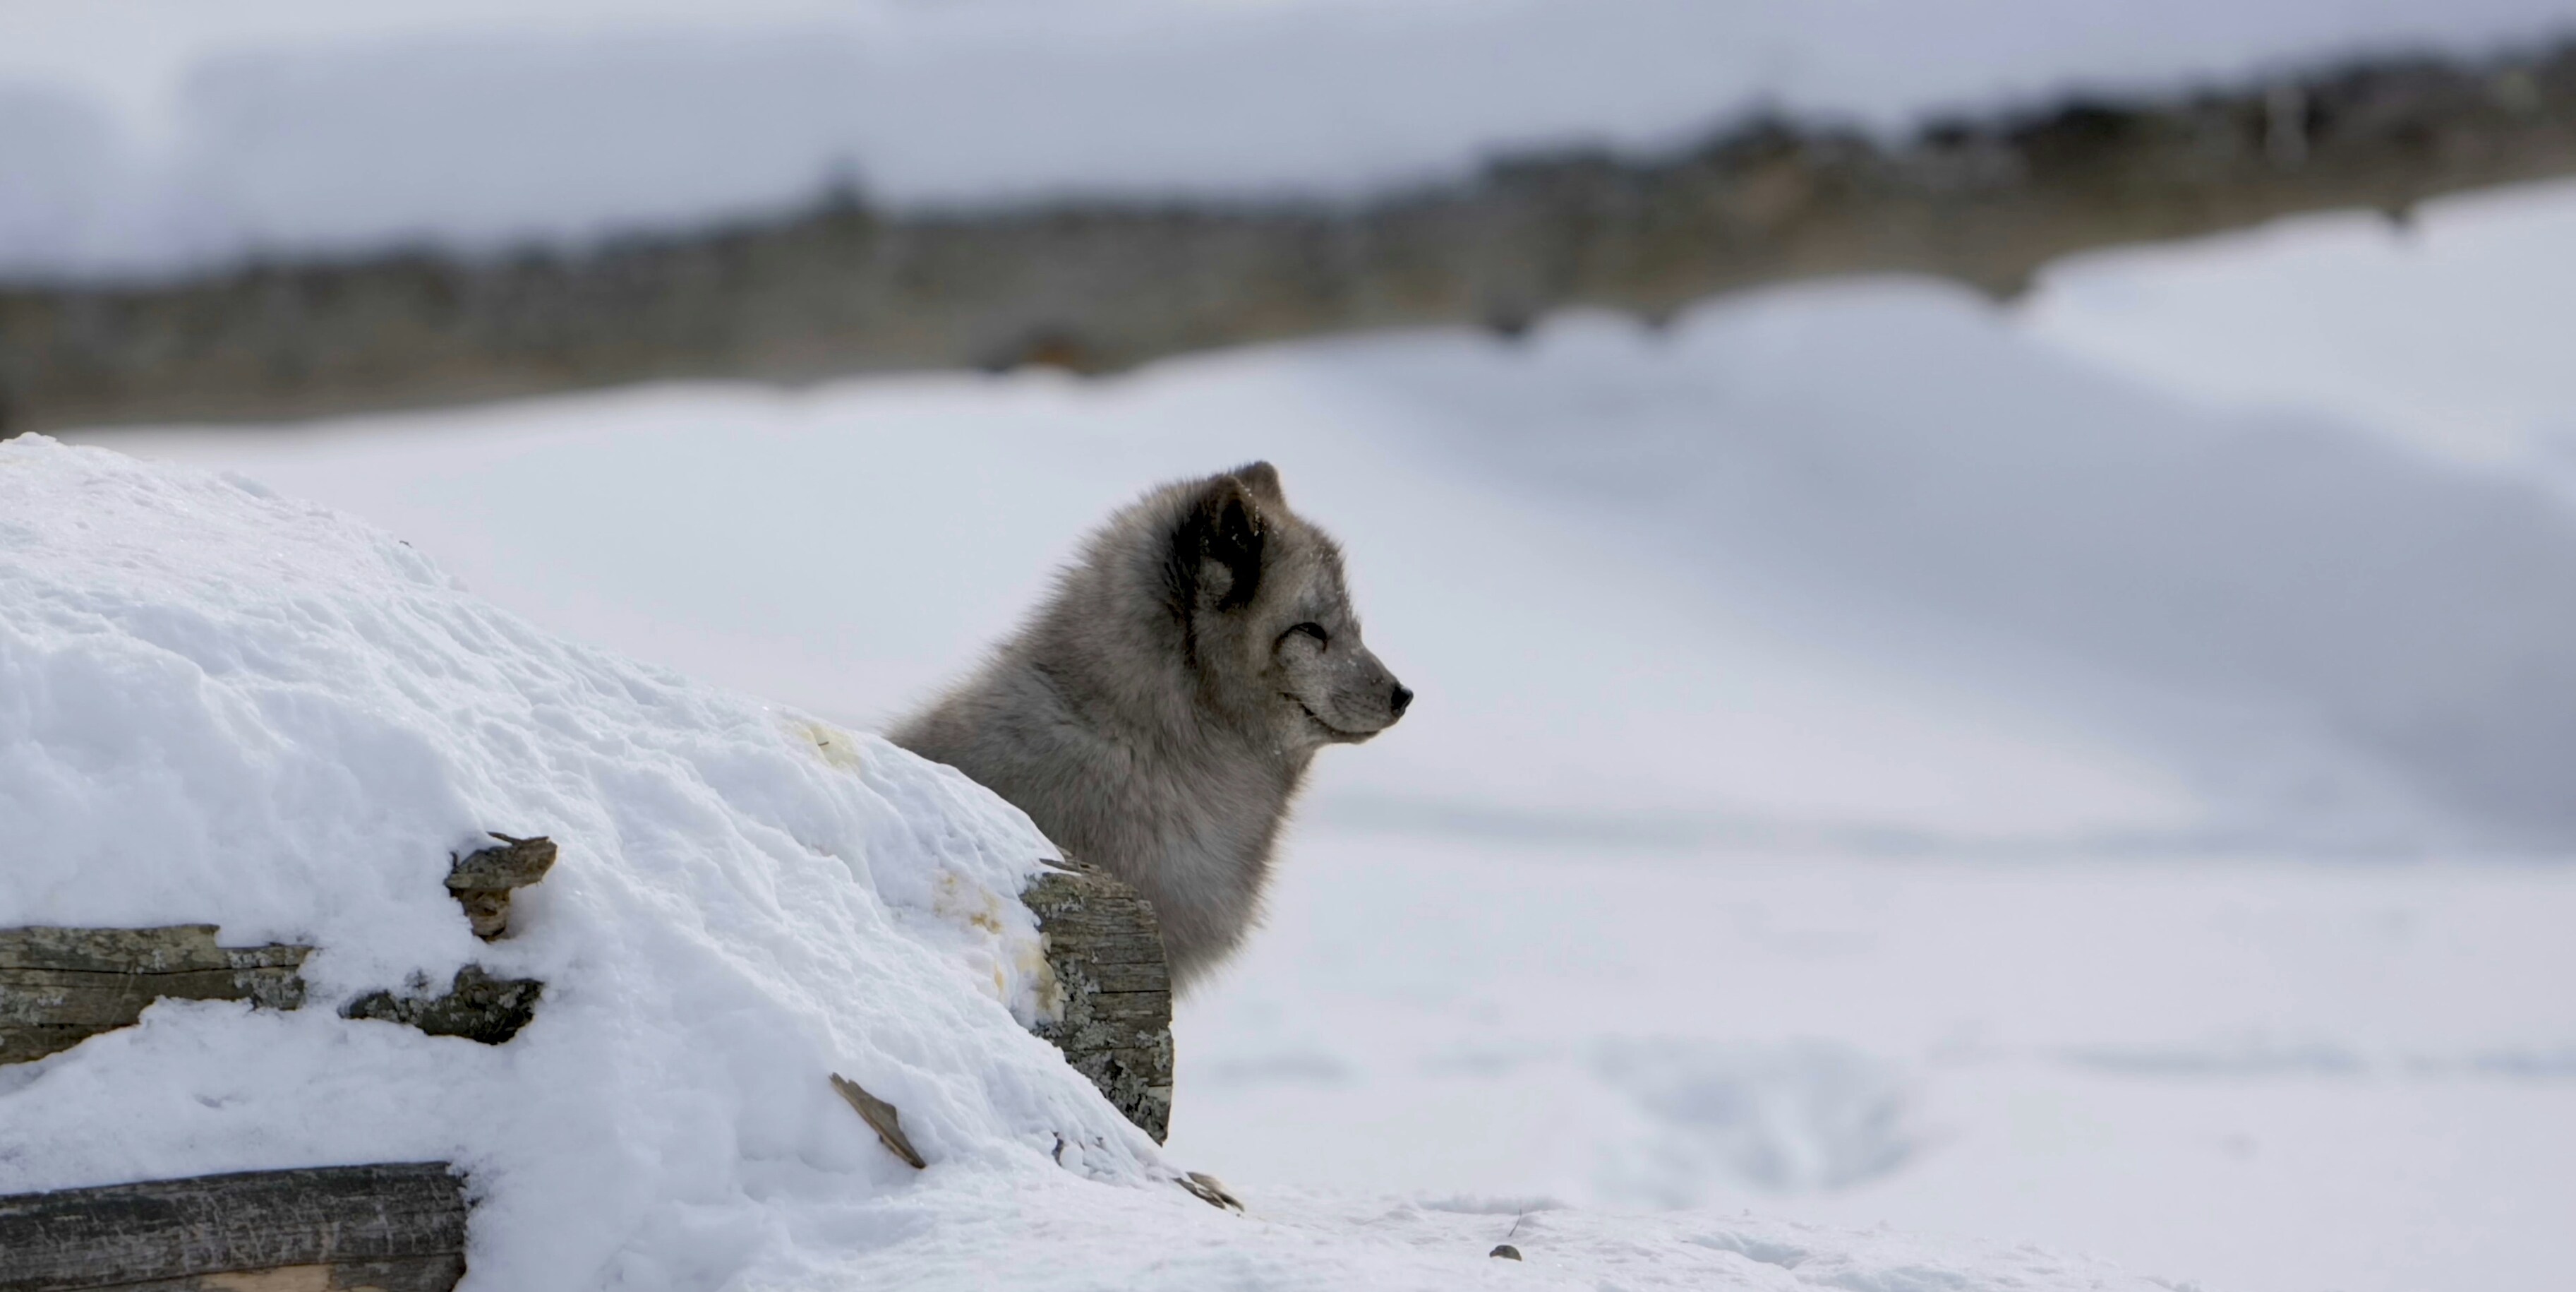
x=476 y=1006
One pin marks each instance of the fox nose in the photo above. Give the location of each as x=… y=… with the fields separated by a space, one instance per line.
x=1400 y=701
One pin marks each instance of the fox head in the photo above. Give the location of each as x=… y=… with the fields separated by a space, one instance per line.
x=1265 y=616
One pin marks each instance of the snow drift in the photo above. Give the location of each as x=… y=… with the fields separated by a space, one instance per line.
x=217 y=705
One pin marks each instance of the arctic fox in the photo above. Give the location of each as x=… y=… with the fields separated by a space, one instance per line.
x=1158 y=712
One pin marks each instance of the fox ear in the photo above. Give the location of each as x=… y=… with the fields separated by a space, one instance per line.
x=1218 y=548
x=1263 y=480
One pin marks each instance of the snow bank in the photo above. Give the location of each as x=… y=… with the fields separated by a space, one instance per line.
x=216 y=705
x=157 y=133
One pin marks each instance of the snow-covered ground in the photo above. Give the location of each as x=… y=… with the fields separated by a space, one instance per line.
x=2447 y=333
x=145 y=135
x=220 y=705
x=1880 y=757
x=2087 y=774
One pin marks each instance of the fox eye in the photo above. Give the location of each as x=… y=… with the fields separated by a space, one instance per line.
x=1310 y=629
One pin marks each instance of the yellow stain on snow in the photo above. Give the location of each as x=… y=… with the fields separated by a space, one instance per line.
x=838 y=748
x=1011 y=953
x=1049 y=989
x=957 y=899
x=972 y=903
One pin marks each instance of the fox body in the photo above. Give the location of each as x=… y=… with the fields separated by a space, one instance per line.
x=1157 y=714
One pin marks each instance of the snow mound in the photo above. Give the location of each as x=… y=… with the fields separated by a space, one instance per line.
x=218 y=705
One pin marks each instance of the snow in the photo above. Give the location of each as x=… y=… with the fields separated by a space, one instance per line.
x=2081 y=774
x=224 y=707
x=2248 y=1071
x=2442 y=334
x=150 y=135
x=1804 y=811
x=220 y=705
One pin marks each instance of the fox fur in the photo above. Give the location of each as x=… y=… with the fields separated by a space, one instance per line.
x=1158 y=712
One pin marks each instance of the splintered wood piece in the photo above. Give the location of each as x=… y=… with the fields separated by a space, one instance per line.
x=882 y=1118
x=482 y=880
x=1206 y=1188
x=1112 y=1012
x=396 y=1227
x=61 y=986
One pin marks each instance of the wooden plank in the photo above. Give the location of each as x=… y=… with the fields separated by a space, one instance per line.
x=61 y=986
x=1113 y=1000
x=396 y=1226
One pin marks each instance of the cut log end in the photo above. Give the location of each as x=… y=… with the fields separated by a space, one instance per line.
x=1113 y=1015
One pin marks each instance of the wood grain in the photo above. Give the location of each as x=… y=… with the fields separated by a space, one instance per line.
x=1112 y=1012
x=398 y=1227
x=61 y=986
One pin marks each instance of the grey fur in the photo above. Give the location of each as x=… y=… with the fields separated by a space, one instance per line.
x=1158 y=713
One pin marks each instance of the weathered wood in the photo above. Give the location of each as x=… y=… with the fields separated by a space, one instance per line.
x=398 y=1227
x=844 y=288
x=61 y=986
x=476 y=1006
x=1210 y=1190
x=413 y=1274
x=482 y=881
x=882 y=1117
x=1111 y=1011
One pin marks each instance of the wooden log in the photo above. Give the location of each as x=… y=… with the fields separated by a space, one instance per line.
x=1112 y=1009
x=396 y=1227
x=1100 y=286
x=61 y=986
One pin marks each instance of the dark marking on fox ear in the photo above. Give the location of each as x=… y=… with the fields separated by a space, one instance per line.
x=1231 y=533
x=1263 y=480
x=1223 y=525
